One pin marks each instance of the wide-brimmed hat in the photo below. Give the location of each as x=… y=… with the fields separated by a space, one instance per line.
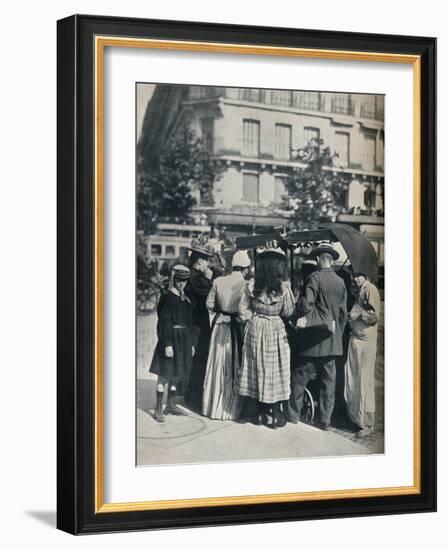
x=324 y=248
x=272 y=246
x=181 y=272
x=200 y=246
x=241 y=259
x=309 y=261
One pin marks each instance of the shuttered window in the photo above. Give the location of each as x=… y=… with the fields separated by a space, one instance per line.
x=251 y=138
x=341 y=104
x=342 y=148
x=307 y=100
x=310 y=134
x=279 y=189
x=368 y=156
x=282 y=144
x=251 y=191
x=207 y=130
x=281 y=97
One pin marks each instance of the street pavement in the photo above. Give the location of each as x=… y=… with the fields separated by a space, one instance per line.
x=197 y=439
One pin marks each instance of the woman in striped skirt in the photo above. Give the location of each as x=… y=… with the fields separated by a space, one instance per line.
x=265 y=370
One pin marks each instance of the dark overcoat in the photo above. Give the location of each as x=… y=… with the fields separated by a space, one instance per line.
x=325 y=291
x=174 y=328
x=197 y=289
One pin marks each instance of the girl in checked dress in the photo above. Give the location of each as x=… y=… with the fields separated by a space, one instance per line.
x=265 y=370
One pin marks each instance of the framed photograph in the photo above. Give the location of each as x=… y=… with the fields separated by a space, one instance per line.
x=246 y=274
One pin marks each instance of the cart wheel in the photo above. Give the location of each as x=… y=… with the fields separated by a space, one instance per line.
x=152 y=298
x=147 y=299
x=308 y=408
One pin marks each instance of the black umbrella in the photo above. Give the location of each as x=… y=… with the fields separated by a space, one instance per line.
x=359 y=250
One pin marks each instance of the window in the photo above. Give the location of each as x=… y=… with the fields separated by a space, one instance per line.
x=311 y=134
x=373 y=107
x=342 y=148
x=251 y=138
x=170 y=250
x=207 y=131
x=251 y=189
x=279 y=189
x=156 y=250
x=281 y=97
x=368 y=157
x=282 y=144
x=341 y=104
x=368 y=107
x=250 y=94
x=307 y=100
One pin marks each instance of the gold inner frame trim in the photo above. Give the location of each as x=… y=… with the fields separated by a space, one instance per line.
x=101 y=42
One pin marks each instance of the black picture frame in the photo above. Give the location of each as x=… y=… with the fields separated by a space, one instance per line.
x=76 y=511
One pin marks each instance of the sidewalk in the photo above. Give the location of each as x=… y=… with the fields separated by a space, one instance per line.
x=194 y=438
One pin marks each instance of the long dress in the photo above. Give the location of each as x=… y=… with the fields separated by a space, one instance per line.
x=197 y=289
x=359 y=389
x=175 y=329
x=220 y=399
x=265 y=369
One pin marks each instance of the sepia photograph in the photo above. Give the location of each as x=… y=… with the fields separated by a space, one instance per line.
x=259 y=274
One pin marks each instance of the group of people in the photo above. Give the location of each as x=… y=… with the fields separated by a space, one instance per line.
x=245 y=346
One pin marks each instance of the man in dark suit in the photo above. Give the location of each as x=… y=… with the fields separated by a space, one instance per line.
x=324 y=298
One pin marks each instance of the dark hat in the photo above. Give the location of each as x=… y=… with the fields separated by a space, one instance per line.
x=181 y=272
x=324 y=248
x=309 y=261
x=200 y=246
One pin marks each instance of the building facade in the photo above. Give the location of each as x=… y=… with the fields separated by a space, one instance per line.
x=256 y=135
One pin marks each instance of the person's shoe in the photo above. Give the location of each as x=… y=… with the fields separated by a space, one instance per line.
x=158 y=414
x=171 y=407
x=174 y=410
x=281 y=421
x=278 y=418
x=324 y=426
x=364 y=432
x=292 y=419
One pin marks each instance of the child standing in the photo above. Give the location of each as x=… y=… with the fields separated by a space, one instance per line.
x=173 y=354
x=265 y=370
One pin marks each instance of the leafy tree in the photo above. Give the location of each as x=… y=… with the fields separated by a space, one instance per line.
x=166 y=186
x=315 y=192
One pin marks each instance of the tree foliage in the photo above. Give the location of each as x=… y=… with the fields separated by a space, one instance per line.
x=315 y=192
x=166 y=188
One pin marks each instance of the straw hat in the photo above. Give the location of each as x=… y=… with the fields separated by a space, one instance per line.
x=324 y=248
x=201 y=246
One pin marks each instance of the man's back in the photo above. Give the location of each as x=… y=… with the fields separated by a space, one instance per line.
x=325 y=291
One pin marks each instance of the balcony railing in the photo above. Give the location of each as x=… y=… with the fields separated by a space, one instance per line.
x=372 y=111
x=342 y=104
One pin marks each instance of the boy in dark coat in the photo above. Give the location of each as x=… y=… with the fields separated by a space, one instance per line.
x=175 y=347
